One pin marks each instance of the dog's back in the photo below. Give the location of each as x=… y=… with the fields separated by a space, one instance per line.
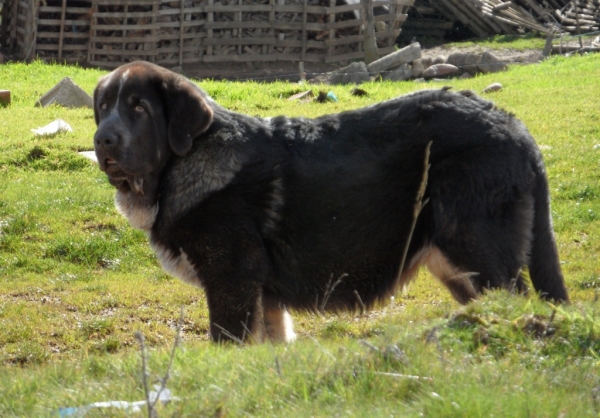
x=351 y=178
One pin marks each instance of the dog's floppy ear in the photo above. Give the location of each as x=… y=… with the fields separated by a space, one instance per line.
x=188 y=114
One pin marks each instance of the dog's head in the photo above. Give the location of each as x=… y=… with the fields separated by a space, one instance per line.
x=145 y=114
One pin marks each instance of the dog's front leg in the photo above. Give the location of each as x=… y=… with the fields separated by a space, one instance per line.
x=234 y=273
x=236 y=313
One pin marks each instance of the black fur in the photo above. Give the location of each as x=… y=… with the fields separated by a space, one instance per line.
x=268 y=214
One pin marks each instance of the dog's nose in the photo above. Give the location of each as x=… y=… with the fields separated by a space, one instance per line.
x=106 y=140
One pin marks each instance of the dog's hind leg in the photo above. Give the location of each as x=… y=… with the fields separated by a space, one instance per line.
x=482 y=225
x=457 y=281
x=484 y=251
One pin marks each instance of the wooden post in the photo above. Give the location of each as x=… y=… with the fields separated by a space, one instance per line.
x=181 y=29
x=393 y=24
x=29 y=37
x=548 y=46
x=4 y=19
x=240 y=32
x=576 y=3
x=125 y=26
x=154 y=20
x=304 y=19
x=92 y=30
x=331 y=49
x=209 y=32
x=272 y=34
x=13 y=23
x=61 y=34
x=371 y=51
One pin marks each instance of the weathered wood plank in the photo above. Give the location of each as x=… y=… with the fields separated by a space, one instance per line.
x=65 y=47
x=68 y=22
x=62 y=28
x=67 y=35
x=345 y=57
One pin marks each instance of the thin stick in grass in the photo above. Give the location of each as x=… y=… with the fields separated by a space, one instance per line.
x=140 y=337
x=176 y=343
x=419 y=204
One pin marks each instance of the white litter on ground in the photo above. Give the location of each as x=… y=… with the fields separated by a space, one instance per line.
x=53 y=128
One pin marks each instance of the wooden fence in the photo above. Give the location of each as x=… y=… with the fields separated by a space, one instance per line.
x=107 y=33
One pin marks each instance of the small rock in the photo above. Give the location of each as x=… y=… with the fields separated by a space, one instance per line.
x=426 y=61
x=354 y=73
x=435 y=395
x=493 y=87
x=466 y=61
x=490 y=64
x=440 y=59
x=401 y=73
x=417 y=68
x=440 y=70
x=66 y=93
x=465 y=75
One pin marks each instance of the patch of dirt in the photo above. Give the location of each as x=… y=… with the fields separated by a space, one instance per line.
x=506 y=55
x=289 y=71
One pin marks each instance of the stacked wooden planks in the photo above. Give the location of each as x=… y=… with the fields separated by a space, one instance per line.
x=580 y=16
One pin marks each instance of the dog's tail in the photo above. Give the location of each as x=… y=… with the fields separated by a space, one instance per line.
x=544 y=267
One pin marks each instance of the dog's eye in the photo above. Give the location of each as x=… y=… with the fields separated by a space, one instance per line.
x=139 y=108
x=103 y=106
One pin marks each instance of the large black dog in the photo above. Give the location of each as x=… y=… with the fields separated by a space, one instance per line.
x=310 y=214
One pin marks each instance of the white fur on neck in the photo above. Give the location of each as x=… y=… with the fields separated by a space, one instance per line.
x=178 y=266
x=140 y=217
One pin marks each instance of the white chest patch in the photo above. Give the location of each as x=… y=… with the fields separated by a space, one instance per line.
x=139 y=217
x=178 y=266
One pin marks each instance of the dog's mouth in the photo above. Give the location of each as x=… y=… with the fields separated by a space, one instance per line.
x=121 y=179
x=113 y=170
x=109 y=163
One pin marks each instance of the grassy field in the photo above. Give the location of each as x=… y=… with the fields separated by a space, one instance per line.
x=76 y=282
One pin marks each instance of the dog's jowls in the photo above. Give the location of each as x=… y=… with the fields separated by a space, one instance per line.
x=291 y=213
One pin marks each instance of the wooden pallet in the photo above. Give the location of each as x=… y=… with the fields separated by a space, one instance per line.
x=179 y=32
x=107 y=33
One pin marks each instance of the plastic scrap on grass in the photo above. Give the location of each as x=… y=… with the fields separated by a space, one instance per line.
x=53 y=128
x=133 y=407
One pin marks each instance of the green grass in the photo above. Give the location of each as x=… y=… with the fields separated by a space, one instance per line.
x=76 y=282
